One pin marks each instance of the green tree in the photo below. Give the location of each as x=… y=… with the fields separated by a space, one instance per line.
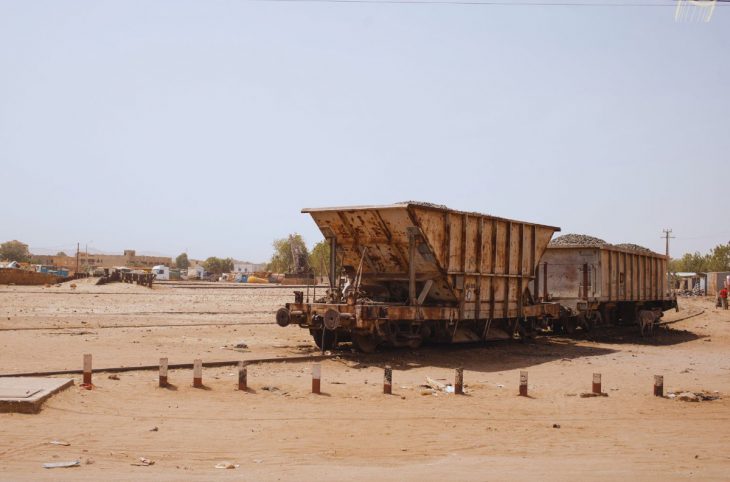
x=719 y=258
x=218 y=265
x=319 y=258
x=182 y=261
x=716 y=260
x=14 y=251
x=290 y=255
x=61 y=254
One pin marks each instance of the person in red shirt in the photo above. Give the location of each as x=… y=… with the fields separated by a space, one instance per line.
x=723 y=298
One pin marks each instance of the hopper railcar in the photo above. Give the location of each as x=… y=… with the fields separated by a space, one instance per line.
x=417 y=272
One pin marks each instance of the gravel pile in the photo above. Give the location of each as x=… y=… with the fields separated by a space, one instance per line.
x=425 y=204
x=581 y=240
x=585 y=241
x=633 y=247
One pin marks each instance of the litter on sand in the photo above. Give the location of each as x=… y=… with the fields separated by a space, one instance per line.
x=59 y=442
x=226 y=465
x=592 y=395
x=687 y=396
x=61 y=465
x=143 y=462
x=436 y=386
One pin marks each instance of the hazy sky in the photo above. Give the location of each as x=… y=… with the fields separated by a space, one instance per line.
x=163 y=126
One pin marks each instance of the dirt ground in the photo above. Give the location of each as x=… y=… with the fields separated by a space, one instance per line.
x=278 y=430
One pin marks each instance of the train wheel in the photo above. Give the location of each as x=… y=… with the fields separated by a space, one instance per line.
x=366 y=343
x=569 y=325
x=329 y=342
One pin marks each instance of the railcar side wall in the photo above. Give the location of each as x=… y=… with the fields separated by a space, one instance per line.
x=604 y=274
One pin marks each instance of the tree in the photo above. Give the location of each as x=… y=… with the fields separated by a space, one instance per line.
x=217 y=265
x=290 y=255
x=14 y=251
x=61 y=254
x=319 y=258
x=182 y=261
x=716 y=260
x=719 y=258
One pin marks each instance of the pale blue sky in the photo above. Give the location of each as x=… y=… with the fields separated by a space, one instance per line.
x=166 y=125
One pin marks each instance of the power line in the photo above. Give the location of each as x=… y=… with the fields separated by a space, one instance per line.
x=501 y=3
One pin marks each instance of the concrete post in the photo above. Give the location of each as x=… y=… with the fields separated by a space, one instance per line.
x=658 y=385
x=388 y=380
x=87 y=369
x=163 y=372
x=316 y=377
x=597 y=383
x=459 y=381
x=242 y=376
x=523 y=384
x=198 y=373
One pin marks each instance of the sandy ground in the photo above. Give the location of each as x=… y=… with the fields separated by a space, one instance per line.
x=278 y=430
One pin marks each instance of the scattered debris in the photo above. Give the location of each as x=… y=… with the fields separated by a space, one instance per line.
x=144 y=462
x=72 y=286
x=241 y=345
x=113 y=376
x=154 y=429
x=59 y=442
x=687 y=396
x=556 y=425
x=89 y=461
x=431 y=383
x=226 y=465
x=61 y=465
x=591 y=394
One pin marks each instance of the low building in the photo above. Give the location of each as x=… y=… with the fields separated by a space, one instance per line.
x=246 y=267
x=684 y=281
x=89 y=261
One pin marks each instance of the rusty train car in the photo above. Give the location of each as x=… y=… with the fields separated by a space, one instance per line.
x=417 y=272
x=602 y=285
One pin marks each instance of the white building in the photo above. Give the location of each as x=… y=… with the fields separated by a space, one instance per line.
x=161 y=272
x=247 y=268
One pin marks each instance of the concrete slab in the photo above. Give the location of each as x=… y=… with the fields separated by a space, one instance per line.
x=27 y=394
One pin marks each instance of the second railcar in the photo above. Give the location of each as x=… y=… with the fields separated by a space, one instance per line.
x=597 y=285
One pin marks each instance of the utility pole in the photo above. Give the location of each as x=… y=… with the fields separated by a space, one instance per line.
x=78 y=245
x=667 y=237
